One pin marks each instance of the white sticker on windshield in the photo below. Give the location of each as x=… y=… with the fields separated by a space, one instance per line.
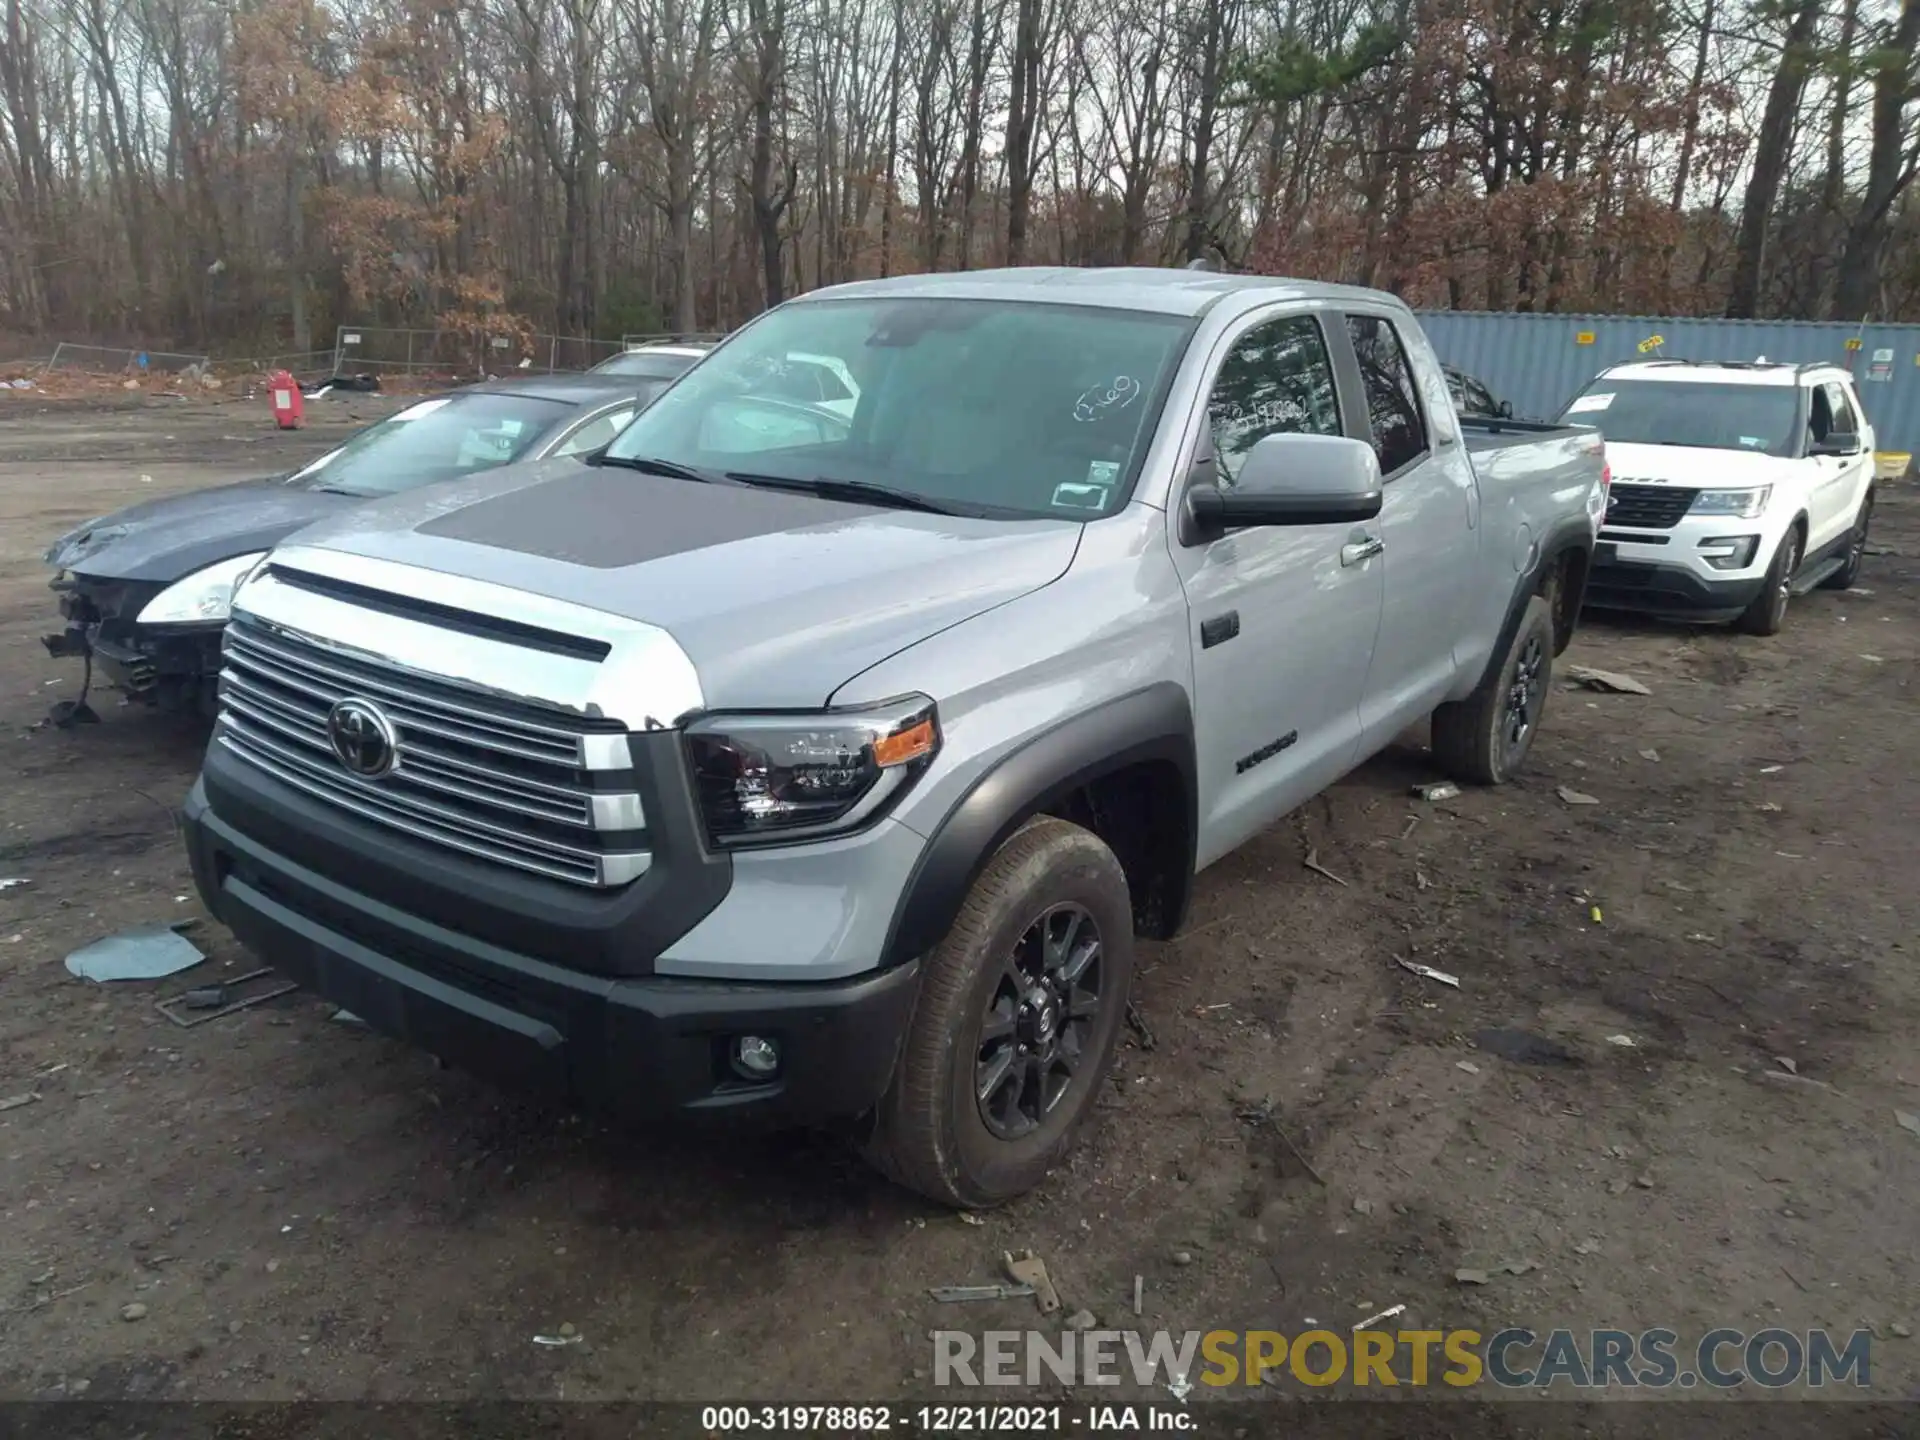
x=512 y=427
x=425 y=407
x=1591 y=402
x=1103 y=472
x=1070 y=496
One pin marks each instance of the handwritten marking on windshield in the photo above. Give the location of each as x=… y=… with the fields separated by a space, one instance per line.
x=1120 y=393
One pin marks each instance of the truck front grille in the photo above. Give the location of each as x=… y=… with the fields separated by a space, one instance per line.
x=472 y=772
x=1647 y=507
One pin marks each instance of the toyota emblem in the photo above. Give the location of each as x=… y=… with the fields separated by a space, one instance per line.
x=363 y=737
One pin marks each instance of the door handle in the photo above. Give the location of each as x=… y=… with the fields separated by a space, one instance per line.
x=1362 y=550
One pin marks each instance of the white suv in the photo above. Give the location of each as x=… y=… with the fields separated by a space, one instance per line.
x=1736 y=485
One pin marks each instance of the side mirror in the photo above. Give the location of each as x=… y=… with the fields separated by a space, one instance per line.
x=1504 y=409
x=1289 y=479
x=1838 y=442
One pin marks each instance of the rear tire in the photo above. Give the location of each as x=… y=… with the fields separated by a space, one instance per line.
x=1768 y=612
x=1484 y=739
x=1843 y=578
x=1019 y=1011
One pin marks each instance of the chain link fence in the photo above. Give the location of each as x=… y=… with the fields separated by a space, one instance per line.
x=454 y=353
x=116 y=360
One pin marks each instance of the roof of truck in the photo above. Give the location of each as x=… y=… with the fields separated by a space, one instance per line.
x=1166 y=292
x=1724 y=372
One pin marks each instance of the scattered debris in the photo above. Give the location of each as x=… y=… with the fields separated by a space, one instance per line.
x=1438 y=790
x=964 y=1294
x=1900 y=1331
x=1611 y=680
x=1874 y=659
x=1312 y=862
x=1523 y=1047
x=1026 y=1268
x=1788 y=1077
x=967 y=1217
x=555 y=1341
x=347 y=1017
x=1363 y=1207
x=1412 y=820
x=1625 y=1042
x=1082 y=1320
x=1575 y=797
x=1137 y=1023
x=1906 y=1121
x=216 y=1001
x=1467 y=1065
x=1856 y=590
x=1616 y=1187
x=1505 y=1267
x=145 y=952
x=1771 y=769
x=1139 y=1293
x=1182 y=1257
x=1263 y=1115
x=14 y=1102
x=1771 y=806
x=1587 y=1247
x=1387 y=1314
x=1786 y=1064
x=1593 y=914
x=11 y=882
x=135 y=1311
x=1427 y=972
x=1650 y=754
x=1644 y=1180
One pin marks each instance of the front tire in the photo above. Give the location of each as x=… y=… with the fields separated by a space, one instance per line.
x=1768 y=612
x=1843 y=578
x=1019 y=1011
x=1484 y=739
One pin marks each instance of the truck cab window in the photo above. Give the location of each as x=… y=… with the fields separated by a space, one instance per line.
x=1278 y=377
x=1399 y=434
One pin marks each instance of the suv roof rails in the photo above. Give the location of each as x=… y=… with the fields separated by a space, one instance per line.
x=1799 y=367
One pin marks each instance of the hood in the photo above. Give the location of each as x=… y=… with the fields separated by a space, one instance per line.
x=1692 y=465
x=778 y=598
x=169 y=538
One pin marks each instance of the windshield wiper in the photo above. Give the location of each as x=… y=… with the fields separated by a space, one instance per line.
x=828 y=488
x=650 y=465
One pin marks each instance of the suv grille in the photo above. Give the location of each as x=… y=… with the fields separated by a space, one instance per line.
x=1647 y=507
x=471 y=772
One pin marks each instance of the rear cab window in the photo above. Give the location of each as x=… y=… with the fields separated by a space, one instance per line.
x=1397 y=426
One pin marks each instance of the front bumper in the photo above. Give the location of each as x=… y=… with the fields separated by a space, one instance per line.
x=173 y=665
x=1668 y=590
x=643 y=1047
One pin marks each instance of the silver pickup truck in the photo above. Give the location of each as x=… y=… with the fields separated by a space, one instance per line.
x=825 y=761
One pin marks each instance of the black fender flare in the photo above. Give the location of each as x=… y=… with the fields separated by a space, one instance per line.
x=1572 y=535
x=1151 y=724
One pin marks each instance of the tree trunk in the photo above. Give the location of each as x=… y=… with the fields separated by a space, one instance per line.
x=1771 y=156
x=1890 y=168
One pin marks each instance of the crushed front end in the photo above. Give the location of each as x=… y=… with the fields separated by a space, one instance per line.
x=172 y=667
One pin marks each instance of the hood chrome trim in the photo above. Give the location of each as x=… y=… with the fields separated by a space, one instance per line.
x=646 y=682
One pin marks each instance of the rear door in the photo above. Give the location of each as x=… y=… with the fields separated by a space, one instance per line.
x=1425 y=525
x=1841 y=490
x=1282 y=621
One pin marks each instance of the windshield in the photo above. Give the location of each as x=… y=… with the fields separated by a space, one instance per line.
x=652 y=364
x=1759 y=418
x=437 y=439
x=979 y=406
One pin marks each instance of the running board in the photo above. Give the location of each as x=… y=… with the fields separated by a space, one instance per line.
x=1806 y=580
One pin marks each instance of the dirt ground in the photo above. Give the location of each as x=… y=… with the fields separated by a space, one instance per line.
x=308 y=1210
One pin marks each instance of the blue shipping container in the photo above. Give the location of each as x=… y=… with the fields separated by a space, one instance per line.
x=1540 y=362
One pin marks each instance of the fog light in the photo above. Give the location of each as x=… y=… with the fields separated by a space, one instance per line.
x=1729 y=552
x=754 y=1057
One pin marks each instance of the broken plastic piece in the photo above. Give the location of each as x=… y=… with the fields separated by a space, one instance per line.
x=1026 y=1268
x=1439 y=790
x=961 y=1294
x=1427 y=972
x=1606 y=680
x=217 y=1000
x=10 y=883
x=145 y=952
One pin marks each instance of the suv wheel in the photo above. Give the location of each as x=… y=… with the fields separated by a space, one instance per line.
x=1849 y=571
x=1019 y=1010
x=1484 y=739
x=1769 y=608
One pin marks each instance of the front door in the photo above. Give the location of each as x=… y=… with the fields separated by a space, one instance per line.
x=1281 y=627
x=1838 y=485
x=1425 y=525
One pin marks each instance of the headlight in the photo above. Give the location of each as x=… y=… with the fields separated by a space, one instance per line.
x=767 y=778
x=203 y=597
x=1745 y=504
